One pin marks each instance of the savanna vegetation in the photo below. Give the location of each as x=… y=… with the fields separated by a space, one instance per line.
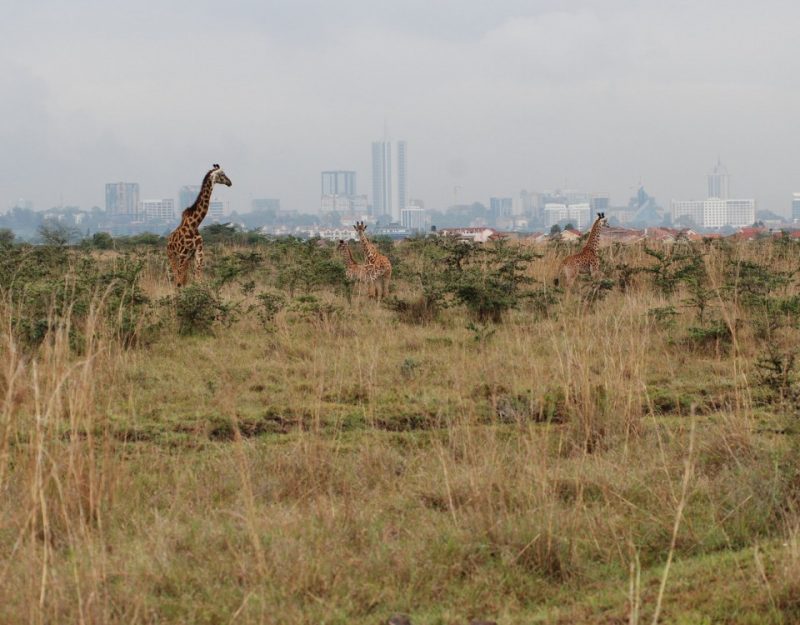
x=270 y=446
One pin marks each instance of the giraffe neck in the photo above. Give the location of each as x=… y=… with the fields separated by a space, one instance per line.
x=347 y=255
x=594 y=238
x=370 y=251
x=197 y=211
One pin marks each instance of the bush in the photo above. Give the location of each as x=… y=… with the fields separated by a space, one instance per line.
x=269 y=305
x=45 y=284
x=198 y=309
x=102 y=241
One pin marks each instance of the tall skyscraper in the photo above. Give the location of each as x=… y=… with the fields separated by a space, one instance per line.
x=402 y=197
x=796 y=206
x=339 y=183
x=382 y=180
x=122 y=199
x=718 y=182
x=385 y=206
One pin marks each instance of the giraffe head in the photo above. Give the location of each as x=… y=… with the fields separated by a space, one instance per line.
x=218 y=176
x=360 y=227
x=342 y=245
x=601 y=217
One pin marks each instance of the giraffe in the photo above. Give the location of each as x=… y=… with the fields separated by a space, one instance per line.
x=378 y=266
x=185 y=241
x=585 y=261
x=353 y=270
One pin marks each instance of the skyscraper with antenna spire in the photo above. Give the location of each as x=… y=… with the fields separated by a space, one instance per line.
x=718 y=181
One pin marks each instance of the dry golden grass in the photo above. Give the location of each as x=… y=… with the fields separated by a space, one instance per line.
x=343 y=467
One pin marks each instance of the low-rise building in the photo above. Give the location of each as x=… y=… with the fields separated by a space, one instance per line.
x=476 y=235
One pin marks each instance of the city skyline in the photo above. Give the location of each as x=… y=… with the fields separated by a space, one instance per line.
x=335 y=183
x=492 y=97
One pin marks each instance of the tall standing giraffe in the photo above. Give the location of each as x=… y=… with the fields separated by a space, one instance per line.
x=379 y=269
x=353 y=270
x=587 y=260
x=185 y=241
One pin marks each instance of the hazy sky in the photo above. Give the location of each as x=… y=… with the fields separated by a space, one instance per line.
x=491 y=96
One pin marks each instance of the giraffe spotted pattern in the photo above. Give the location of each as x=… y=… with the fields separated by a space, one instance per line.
x=378 y=268
x=587 y=260
x=185 y=242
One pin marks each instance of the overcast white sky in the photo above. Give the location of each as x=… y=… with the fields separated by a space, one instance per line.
x=491 y=96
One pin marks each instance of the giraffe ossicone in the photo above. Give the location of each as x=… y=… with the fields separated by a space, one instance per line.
x=185 y=242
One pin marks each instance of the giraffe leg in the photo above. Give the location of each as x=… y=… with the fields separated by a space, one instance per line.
x=199 y=257
x=183 y=270
x=568 y=273
x=387 y=278
x=172 y=256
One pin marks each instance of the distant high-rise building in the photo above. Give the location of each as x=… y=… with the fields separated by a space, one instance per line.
x=187 y=195
x=122 y=199
x=161 y=210
x=576 y=196
x=216 y=210
x=740 y=212
x=339 y=193
x=600 y=202
x=382 y=180
x=796 y=206
x=687 y=212
x=385 y=206
x=501 y=206
x=359 y=204
x=718 y=182
x=339 y=183
x=401 y=176
x=259 y=205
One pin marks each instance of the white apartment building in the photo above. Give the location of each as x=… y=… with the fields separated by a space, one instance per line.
x=715 y=212
x=691 y=209
x=163 y=209
x=578 y=214
x=216 y=210
x=333 y=234
x=741 y=212
x=338 y=203
x=414 y=218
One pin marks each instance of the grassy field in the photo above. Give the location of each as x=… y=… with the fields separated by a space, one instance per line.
x=273 y=447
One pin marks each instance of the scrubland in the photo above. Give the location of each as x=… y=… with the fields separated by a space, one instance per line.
x=270 y=446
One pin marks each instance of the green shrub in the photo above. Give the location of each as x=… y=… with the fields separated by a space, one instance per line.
x=488 y=279
x=269 y=305
x=198 y=308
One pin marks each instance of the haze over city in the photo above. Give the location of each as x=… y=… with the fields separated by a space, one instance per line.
x=491 y=98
